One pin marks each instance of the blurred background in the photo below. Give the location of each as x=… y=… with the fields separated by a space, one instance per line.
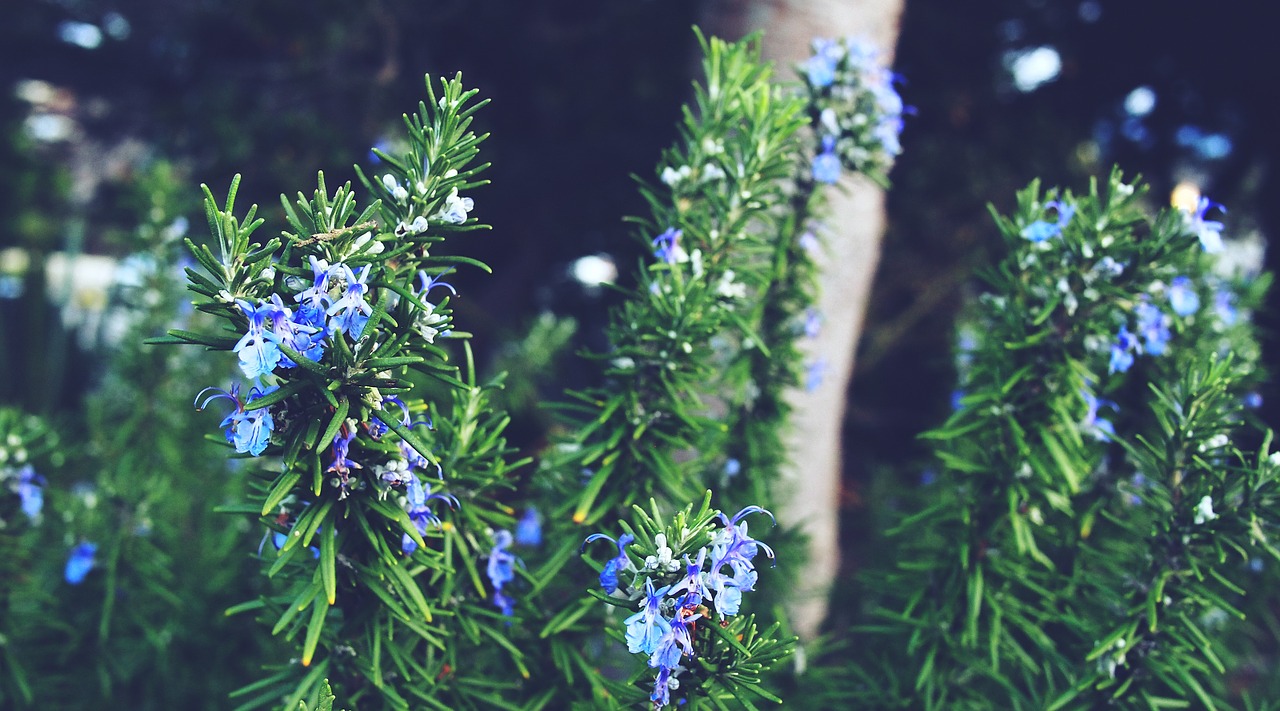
x=112 y=113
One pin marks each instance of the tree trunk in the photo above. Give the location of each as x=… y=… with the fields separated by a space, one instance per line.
x=811 y=495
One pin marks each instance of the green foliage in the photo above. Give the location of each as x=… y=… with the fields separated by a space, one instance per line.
x=121 y=478
x=1064 y=560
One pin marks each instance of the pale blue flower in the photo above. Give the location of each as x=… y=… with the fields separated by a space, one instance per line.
x=30 y=489
x=826 y=165
x=350 y=313
x=248 y=430
x=455 y=208
x=812 y=323
x=820 y=70
x=1153 y=327
x=733 y=545
x=306 y=339
x=430 y=282
x=1224 y=306
x=501 y=570
x=1208 y=231
x=732 y=467
x=418 y=499
x=377 y=426
x=1183 y=297
x=1041 y=230
x=888 y=132
x=504 y=602
x=692 y=583
x=674 y=643
x=314 y=301
x=397 y=191
x=647 y=627
x=661 y=695
x=666 y=247
x=814 y=374
x=80 y=562
x=1122 y=351
x=1101 y=429
x=342 y=464
x=259 y=354
x=615 y=565
x=529 y=528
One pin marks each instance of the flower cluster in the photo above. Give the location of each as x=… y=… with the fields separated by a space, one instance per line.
x=1042 y=229
x=18 y=434
x=854 y=107
x=673 y=591
x=1153 y=325
x=27 y=485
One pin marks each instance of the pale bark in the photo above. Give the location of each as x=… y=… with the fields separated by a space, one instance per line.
x=852 y=237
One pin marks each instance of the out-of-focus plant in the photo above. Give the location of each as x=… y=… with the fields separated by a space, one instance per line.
x=110 y=574
x=1091 y=536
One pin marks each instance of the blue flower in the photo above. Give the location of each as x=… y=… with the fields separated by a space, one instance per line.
x=1041 y=230
x=661 y=695
x=529 y=528
x=733 y=545
x=413 y=456
x=888 y=132
x=397 y=191
x=501 y=569
x=455 y=208
x=1122 y=351
x=315 y=300
x=1153 y=326
x=1208 y=231
x=821 y=71
x=504 y=602
x=248 y=430
x=30 y=490
x=692 y=583
x=350 y=313
x=814 y=374
x=430 y=282
x=377 y=426
x=674 y=643
x=812 y=322
x=258 y=351
x=1183 y=297
x=1101 y=429
x=666 y=247
x=620 y=563
x=1224 y=306
x=732 y=467
x=301 y=336
x=342 y=463
x=647 y=627
x=826 y=165
x=80 y=562
x=418 y=496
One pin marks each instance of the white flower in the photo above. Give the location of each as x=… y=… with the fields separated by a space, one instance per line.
x=662 y=561
x=1204 y=511
x=730 y=289
x=456 y=208
x=672 y=176
x=425 y=322
x=417 y=227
